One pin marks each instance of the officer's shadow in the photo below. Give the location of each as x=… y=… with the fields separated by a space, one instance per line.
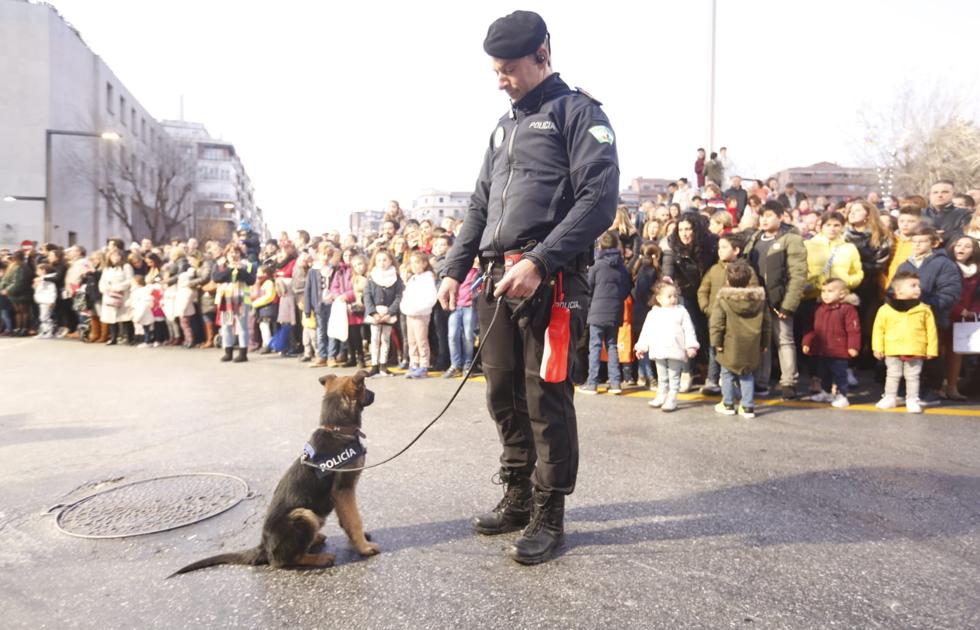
x=832 y=506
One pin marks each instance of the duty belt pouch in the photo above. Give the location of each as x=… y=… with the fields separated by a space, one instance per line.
x=554 y=361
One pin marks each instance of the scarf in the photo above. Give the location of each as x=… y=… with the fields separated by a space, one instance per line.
x=384 y=277
x=968 y=271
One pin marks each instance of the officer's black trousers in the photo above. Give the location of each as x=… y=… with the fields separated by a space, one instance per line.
x=535 y=420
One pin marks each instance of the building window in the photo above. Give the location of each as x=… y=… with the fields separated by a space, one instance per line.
x=72 y=238
x=110 y=97
x=132 y=116
x=143 y=129
x=122 y=110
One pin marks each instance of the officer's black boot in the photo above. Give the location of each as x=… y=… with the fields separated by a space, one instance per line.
x=227 y=355
x=546 y=531
x=242 y=355
x=513 y=511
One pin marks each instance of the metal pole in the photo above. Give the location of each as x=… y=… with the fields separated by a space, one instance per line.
x=47 y=186
x=714 y=22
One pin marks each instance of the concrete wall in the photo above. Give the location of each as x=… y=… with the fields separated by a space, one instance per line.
x=24 y=113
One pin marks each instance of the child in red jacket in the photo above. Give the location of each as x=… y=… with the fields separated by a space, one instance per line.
x=835 y=338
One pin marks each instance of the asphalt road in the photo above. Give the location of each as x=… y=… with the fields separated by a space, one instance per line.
x=802 y=518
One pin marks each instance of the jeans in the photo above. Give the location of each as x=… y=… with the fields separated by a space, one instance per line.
x=461 y=336
x=782 y=339
x=746 y=383
x=322 y=313
x=608 y=335
x=714 y=369
x=669 y=374
x=832 y=372
x=235 y=323
x=644 y=368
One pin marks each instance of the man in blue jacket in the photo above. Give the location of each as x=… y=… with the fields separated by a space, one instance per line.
x=547 y=189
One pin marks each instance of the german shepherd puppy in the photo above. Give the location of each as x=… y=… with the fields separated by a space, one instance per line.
x=306 y=495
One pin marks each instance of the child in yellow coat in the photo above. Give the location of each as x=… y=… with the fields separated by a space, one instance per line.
x=904 y=335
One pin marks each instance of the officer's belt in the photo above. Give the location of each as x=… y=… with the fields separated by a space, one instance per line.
x=578 y=264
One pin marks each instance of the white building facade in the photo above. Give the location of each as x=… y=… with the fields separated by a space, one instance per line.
x=223 y=192
x=436 y=205
x=52 y=80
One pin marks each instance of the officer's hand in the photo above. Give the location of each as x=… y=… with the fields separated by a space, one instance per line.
x=447 y=290
x=520 y=282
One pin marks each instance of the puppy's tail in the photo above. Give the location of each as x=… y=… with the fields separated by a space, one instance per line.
x=253 y=557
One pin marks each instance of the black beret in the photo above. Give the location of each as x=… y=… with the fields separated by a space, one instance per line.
x=516 y=35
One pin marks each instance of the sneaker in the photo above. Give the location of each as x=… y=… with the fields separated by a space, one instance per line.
x=887 y=402
x=422 y=373
x=851 y=379
x=452 y=372
x=659 y=400
x=588 y=389
x=318 y=363
x=725 y=409
x=412 y=372
x=746 y=412
x=670 y=404
x=931 y=399
x=631 y=383
x=653 y=385
x=685 y=383
x=403 y=365
x=788 y=392
x=840 y=402
x=711 y=389
x=822 y=397
x=305 y=359
x=614 y=389
x=143 y=345
x=913 y=406
x=156 y=344
x=762 y=392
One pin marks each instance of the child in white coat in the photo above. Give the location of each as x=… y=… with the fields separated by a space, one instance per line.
x=418 y=298
x=668 y=337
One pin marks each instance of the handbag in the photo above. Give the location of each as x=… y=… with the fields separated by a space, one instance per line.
x=966 y=337
x=114 y=299
x=554 y=359
x=337 y=324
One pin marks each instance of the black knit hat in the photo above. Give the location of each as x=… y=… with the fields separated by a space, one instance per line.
x=516 y=35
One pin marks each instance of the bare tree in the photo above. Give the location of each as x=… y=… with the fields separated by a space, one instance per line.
x=924 y=137
x=160 y=192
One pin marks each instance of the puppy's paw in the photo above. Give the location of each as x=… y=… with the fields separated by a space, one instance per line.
x=369 y=549
x=318 y=540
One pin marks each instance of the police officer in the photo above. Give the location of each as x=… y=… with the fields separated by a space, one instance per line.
x=547 y=189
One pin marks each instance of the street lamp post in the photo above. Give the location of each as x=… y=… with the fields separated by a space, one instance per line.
x=48 y=134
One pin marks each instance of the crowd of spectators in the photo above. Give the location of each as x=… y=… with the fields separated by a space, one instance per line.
x=370 y=302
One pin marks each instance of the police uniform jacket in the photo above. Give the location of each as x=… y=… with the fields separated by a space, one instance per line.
x=548 y=185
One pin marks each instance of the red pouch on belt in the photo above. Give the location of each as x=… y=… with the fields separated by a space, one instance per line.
x=554 y=361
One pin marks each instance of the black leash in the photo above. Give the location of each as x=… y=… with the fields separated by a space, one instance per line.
x=493 y=319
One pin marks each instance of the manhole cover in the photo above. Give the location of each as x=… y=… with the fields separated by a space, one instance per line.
x=152 y=505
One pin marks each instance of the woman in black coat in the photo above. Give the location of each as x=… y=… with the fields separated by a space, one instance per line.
x=690 y=253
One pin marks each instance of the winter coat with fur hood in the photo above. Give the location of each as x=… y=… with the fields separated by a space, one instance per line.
x=740 y=327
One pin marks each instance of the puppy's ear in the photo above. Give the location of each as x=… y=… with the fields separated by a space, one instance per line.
x=327 y=378
x=360 y=376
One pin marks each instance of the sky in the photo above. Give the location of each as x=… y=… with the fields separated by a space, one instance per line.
x=336 y=107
